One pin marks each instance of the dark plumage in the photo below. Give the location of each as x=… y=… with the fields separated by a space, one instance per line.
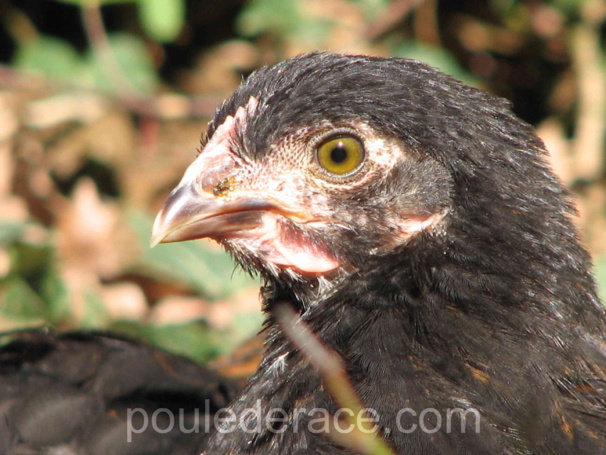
x=442 y=267
x=71 y=394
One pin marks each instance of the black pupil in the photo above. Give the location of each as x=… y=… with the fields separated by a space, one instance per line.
x=338 y=154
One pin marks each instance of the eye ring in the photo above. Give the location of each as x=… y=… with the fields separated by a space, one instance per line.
x=340 y=154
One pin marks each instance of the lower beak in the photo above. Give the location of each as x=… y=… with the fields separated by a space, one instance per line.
x=188 y=214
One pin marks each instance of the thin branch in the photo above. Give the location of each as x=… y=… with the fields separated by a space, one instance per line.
x=97 y=36
x=364 y=437
x=591 y=82
x=394 y=14
x=167 y=106
x=426 y=23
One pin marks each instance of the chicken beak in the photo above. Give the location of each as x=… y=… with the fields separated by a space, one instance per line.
x=188 y=214
x=206 y=203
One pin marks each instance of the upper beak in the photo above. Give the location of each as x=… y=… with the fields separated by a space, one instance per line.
x=189 y=214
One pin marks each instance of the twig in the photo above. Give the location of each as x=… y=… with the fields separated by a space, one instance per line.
x=591 y=82
x=395 y=13
x=95 y=31
x=167 y=106
x=364 y=437
x=426 y=23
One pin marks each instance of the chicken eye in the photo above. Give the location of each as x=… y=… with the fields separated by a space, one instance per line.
x=340 y=155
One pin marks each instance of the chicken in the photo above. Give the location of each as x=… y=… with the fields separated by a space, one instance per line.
x=98 y=394
x=414 y=225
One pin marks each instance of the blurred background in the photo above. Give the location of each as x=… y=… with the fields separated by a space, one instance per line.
x=103 y=103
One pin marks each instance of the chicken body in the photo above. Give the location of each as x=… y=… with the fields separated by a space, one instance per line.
x=414 y=225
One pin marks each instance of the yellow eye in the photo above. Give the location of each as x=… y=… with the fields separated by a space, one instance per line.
x=340 y=155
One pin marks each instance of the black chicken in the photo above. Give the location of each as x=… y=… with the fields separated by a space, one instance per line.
x=96 y=394
x=414 y=224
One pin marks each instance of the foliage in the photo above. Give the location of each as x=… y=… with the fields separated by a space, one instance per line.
x=94 y=148
x=162 y=20
x=58 y=60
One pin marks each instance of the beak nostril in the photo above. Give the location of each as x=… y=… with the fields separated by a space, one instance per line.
x=223 y=187
x=216 y=173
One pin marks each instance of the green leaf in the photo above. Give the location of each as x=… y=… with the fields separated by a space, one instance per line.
x=194 y=339
x=95 y=313
x=284 y=19
x=247 y=325
x=570 y=8
x=133 y=63
x=600 y=274
x=52 y=57
x=209 y=271
x=372 y=8
x=259 y=16
x=56 y=294
x=19 y=300
x=162 y=19
x=11 y=232
x=503 y=7
x=29 y=259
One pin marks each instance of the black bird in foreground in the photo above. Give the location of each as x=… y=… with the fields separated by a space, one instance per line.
x=99 y=394
x=415 y=226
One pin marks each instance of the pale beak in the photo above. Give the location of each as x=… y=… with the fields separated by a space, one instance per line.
x=189 y=214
